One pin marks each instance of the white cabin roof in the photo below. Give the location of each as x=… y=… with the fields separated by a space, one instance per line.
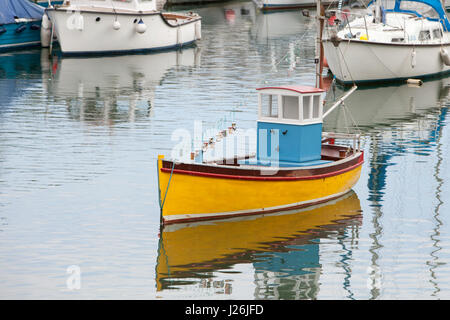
x=293 y=88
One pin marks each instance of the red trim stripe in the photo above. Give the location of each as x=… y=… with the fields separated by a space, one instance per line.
x=259 y=178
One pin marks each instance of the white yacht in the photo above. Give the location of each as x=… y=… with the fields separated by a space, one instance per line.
x=116 y=26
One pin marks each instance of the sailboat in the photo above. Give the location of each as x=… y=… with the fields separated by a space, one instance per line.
x=395 y=40
x=296 y=165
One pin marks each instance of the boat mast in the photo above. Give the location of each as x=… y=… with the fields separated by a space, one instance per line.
x=319 y=46
x=377 y=13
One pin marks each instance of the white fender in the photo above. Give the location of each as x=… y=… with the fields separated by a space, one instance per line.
x=75 y=22
x=198 y=30
x=413 y=58
x=46 y=23
x=445 y=57
x=414 y=82
x=179 y=36
x=141 y=27
x=116 y=25
x=80 y=23
x=46 y=31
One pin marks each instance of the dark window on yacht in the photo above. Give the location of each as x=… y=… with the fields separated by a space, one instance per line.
x=437 y=33
x=398 y=40
x=424 y=35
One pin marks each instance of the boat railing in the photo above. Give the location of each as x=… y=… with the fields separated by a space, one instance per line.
x=327 y=137
x=339 y=20
x=355 y=137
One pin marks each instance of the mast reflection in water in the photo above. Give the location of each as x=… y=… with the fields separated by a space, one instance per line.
x=403 y=126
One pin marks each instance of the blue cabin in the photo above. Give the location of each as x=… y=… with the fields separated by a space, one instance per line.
x=289 y=130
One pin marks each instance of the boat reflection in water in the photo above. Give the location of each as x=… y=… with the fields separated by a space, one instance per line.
x=220 y=12
x=396 y=120
x=20 y=71
x=372 y=107
x=282 y=249
x=282 y=24
x=403 y=126
x=112 y=89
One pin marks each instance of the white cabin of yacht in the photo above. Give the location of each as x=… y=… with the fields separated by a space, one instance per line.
x=408 y=22
x=128 y=5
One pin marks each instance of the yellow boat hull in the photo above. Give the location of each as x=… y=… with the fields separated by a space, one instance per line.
x=189 y=196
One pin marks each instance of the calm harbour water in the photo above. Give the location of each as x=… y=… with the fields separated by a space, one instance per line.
x=79 y=138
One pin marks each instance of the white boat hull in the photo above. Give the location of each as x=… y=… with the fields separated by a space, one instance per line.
x=364 y=61
x=97 y=32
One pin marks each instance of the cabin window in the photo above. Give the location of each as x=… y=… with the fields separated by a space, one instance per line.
x=290 y=107
x=424 y=35
x=398 y=40
x=269 y=105
x=316 y=106
x=437 y=33
x=306 y=107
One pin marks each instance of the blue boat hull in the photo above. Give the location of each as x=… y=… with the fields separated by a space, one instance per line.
x=23 y=34
x=20 y=35
x=44 y=3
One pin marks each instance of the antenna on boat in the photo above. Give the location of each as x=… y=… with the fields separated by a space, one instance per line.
x=320 y=57
x=341 y=100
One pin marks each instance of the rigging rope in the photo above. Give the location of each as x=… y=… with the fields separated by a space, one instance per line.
x=347 y=111
x=345 y=63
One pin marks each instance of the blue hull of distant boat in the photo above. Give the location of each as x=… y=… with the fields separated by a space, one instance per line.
x=23 y=34
x=45 y=3
x=20 y=35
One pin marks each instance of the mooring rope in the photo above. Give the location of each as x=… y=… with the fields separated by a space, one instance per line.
x=161 y=205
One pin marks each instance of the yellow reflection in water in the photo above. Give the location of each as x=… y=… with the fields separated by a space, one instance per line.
x=186 y=249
